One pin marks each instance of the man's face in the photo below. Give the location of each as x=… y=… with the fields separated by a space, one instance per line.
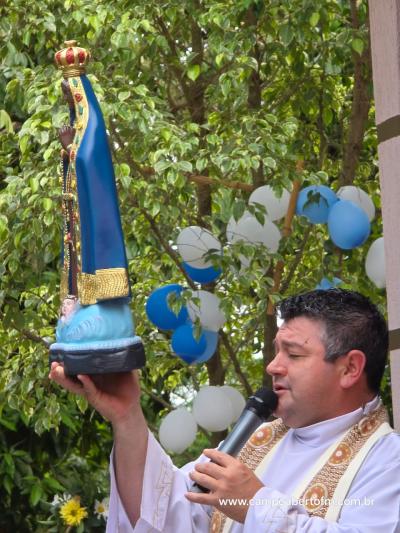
x=307 y=386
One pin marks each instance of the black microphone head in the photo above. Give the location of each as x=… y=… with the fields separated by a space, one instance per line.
x=263 y=402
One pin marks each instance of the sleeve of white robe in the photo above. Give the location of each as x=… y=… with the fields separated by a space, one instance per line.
x=371 y=506
x=164 y=507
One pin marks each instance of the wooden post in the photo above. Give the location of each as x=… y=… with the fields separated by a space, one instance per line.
x=385 y=48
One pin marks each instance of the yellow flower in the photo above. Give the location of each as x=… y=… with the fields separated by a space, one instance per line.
x=72 y=513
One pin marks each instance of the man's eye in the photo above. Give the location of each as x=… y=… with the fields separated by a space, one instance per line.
x=295 y=355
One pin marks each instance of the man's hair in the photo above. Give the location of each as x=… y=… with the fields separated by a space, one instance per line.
x=350 y=321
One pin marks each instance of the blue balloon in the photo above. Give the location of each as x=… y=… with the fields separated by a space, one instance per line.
x=348 y=225
x=326 y=284
x=212 y=343
x=185 y=345
x=315 y=202
x=158 y=311
x=202 y=275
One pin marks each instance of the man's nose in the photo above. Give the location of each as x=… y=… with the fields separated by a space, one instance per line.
x=276 y=366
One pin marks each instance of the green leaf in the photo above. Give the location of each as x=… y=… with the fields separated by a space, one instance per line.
x=358 y=45
x=141 y=90
x=35 y=494
x=219 y=59
x=82 y=403
x=166 y=134
x=23 y=144
x=123 y=95
x=286 y=34
x=193 y=72
x=5 y=121
x=185 y=166
x=201 y=164
x=47 y=204
x=161 y=165
x=49 y=218
x=8 y=484
x=239 y=208
x=327 y=116
x=145 y=24
x=34 y=184
x=314 y=19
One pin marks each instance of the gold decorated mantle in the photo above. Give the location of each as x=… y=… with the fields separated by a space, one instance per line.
x=322 y=488
x=104 y=284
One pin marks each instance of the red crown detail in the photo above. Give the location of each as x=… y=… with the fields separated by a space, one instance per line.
x=72 y=60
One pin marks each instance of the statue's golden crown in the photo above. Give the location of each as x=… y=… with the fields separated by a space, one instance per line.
x=72 y=59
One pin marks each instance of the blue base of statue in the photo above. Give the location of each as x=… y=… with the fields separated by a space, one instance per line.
x=98 y=339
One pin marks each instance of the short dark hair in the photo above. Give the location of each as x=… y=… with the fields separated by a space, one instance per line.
x=351 y=322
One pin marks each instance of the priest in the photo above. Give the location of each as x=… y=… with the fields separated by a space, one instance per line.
x=330 y=462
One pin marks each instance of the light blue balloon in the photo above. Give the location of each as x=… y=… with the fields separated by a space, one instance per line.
x=185 y=345
x=348 y=225
x=202 y=275
x=315 y=202
x=326 y=284
x=212 y=343
x=158 y=311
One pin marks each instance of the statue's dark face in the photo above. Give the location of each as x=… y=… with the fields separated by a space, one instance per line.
x=67 y=93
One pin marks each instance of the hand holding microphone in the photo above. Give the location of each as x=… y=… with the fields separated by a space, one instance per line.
x=257 y=410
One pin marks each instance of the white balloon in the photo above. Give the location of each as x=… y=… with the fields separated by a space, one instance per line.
x=375 y=263
x=208 y=310
x=211 y=409
x=358 y=197
x=237 y=400
x=178 y=430
x=193 y=244
x=232 y=226
x=275 y=206
x=250 y=230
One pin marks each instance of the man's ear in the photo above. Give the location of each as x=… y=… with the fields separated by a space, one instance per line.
x=351 y=367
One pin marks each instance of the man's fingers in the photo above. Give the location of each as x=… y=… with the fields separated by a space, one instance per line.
x=204 y=499
x=210 y=469
x=58 y=375
x=205 y=481
x=220 y=458
x=88 y=386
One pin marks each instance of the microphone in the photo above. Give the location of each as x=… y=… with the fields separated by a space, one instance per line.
x=257 y=410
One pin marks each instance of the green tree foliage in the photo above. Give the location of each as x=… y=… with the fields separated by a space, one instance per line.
x=204 y=100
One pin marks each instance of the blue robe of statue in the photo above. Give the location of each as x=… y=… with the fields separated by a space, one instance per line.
x=90 y=182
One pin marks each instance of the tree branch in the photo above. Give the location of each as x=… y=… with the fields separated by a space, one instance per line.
x=26 y=333
x=232 y=355
x=360 y=106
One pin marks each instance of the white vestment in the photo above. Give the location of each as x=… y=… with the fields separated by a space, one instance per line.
x=372 y=504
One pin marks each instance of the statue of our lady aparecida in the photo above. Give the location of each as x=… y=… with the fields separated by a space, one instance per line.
x=95 y=332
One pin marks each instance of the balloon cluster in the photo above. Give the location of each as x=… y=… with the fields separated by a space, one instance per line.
x=203 y=306
x=249 y=230
x=347 y=213
x=196 y=245
x=214 y=409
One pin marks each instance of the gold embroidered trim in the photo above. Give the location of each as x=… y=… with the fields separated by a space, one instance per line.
x=256 y=448
x=64 y=285
x=70 y=207
x=321 y=489
x=103 y=285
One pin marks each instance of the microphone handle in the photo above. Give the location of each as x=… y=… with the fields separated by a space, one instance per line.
x=247 y=423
